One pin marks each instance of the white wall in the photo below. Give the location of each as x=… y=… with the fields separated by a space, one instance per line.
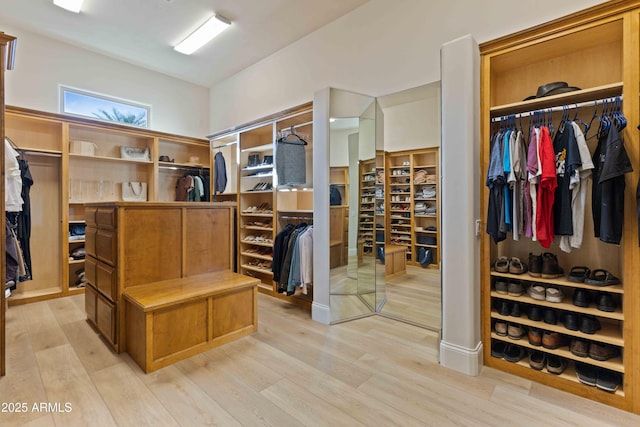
x=42 y=64
x=339 y=146
x=379 y=48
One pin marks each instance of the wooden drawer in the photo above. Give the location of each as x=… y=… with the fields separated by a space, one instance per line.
x=90 y=296
x=102 y=276
x=106 y=318
x=106 y=246
x=90 y=216
x=106 y=218
x=90 y=240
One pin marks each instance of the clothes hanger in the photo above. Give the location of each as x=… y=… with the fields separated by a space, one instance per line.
x=296 y=141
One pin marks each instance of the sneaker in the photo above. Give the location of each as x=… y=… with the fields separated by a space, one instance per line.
x=608 y=380
x=515 y=289
x=586 y=374
x=537 y=292
x=534 y=265
x=550 y=267
x=554 y=295
x=502 y=287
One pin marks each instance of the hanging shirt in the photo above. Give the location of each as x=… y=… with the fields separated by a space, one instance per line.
x=533 y=172
x=506 y=164
x=306 y=259
x=567 y=160
x=13 y=182
x=291 y=163
x=579 y=185
x=516 y=181
x=611 y=163
x=495 y=183
x=220 y=180
x=546 y=189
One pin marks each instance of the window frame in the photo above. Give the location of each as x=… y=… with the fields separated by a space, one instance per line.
x=64 y=89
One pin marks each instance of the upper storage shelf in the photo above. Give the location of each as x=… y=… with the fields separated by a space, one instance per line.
x=517 y=73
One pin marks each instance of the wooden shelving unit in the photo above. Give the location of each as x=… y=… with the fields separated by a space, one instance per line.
x=595 y=50
x=414 y=203
x=65 y=181
x=367 y=228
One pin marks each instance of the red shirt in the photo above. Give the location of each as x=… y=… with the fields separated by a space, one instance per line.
x=546 y=189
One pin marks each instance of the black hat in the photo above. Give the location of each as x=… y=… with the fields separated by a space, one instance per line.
x=553 y=88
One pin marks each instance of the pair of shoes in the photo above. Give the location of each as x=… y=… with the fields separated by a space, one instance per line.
x=600 y=277
x=540 y=293
x=595 y=350
x=509 y=309
x=514 y=266
x=602 y=378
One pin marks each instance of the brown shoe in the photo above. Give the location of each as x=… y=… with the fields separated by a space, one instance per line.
x=602 y=352
x=552 y=340
x=515 y=331
x=550 y=267
x=535 y=336
x=579 y=347
x=501 y=328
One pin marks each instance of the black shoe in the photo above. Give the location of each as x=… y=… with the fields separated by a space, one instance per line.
x=581 y=298
x=498 y=348
x=550 y=267
x=556 y=364
x=586 y=374
x=534 y=266
x=515 y=310
x=514 y=353
x=589 y=324
x=605 y=302
x=535 y=313
x=504 y=308
x=550 y=316
x=608 y=380
x=571 y=321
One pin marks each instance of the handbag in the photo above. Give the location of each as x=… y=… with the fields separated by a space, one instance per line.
x=135 y=153
x=134 y=191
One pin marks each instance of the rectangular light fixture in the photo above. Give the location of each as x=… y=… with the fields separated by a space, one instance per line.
x=214 y=26
x=71 y=5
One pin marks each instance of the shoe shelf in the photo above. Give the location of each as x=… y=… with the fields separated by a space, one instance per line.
x=253 y=242
x=617 y=289
x=425 y=167
x=253 y=227
x=526 y=299
x=258 y=256
x=109 y=159
x=256 y=268
x=609 y=334
x=257 y=214
x=427 y=246
x=614 y=364
x=426 y=231
x=569 y=375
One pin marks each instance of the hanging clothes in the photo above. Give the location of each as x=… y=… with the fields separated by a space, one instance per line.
x=13 y=181
x=495 y=183
x=183 y=187
x=291 y=162
x=578 y=186
x=546 y=189
x=611 y=163
x=567 y=161
x=279 y=250
x=306 y=260
x=24 y=219
x=516 y=181
x=220 y=177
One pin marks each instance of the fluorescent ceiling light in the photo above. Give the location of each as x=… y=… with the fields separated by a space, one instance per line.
x=72 y=5
x=214 y=26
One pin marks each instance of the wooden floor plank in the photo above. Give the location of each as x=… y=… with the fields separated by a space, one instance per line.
x=306 y=407
x=65 y=380
x=293 y=371
x=131 y=403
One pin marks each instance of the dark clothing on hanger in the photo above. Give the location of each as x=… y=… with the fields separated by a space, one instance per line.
x=24 y=219
x=567 y=161
x=279 y=250
x=11 y=258
x=496 y=182
x=220 y=177
x=611 y=163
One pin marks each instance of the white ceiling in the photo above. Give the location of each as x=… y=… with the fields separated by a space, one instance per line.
x=143 y=32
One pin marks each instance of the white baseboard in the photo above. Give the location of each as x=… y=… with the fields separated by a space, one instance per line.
x=320 y=313
x=465 y=360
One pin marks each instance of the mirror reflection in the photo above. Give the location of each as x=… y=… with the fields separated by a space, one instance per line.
x=353 y=199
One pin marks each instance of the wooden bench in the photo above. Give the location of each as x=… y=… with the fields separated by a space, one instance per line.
x=174 y=319
x=395 y=261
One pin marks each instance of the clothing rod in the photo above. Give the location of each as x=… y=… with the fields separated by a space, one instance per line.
x=224 y=145
x=306 y=218
x=288 y=129
x=570 y=106
x=206 y=169
x=40 y=153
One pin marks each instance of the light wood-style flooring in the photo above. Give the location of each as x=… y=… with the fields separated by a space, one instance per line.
x=373 y=371
x=415 y=297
